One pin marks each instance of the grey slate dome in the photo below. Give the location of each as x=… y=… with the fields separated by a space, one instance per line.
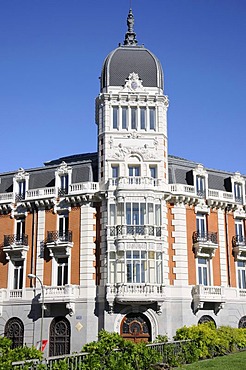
x=129 y=58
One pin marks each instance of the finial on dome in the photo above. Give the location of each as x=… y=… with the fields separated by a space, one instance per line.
x=130 y=36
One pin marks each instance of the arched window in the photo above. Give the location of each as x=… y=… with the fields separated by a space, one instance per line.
x=14 y=330
x=60 y=333
x=242 y=323
x=136 y=327
x=206 y=318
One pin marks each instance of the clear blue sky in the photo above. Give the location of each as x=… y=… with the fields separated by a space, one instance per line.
x=51 y=54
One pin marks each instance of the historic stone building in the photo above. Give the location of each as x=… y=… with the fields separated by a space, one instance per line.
x=127 y=239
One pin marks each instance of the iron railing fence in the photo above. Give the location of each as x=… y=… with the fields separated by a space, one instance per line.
x=74 y=361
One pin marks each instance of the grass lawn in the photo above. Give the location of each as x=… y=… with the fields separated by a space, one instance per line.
x=235 y=361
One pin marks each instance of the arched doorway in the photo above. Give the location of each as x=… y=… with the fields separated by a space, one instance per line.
x=136 y=327
x=14 y=330
x=242 y=323
x=206 y=318
x=59 y=337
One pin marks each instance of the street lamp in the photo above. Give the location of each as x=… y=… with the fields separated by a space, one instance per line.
x=32 y=276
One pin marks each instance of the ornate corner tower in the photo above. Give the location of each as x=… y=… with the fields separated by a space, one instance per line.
x=131 y=114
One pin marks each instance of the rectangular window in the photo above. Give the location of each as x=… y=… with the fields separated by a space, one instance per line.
x=134 y=171
x=22 y=189
x=112 y=265
x=20 y=230
x=134 y=118
x=152 y=121
x=201 y=226
x=18 y=275
x=238 y=193
x=203 y=271
x=153 y=172
x=115 y=117
x=115 y=172
x=64 y=184
x=241 y=275
x=63 y=227
x=200 y=186
x=239 y=230
x=112 y=214
x=124 y=117
x=136 y=264
x=143 y=118
x=62 y=271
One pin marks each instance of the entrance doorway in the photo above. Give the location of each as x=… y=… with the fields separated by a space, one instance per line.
x=59 y=337
x=136 y=328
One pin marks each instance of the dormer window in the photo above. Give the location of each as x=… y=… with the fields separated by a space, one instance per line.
x=238 y=193
x=22 y=189
x=200 y=186
x=64 y=184
x=63 y=179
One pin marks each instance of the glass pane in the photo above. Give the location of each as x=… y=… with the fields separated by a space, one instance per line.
x=135 y=214
x=134 y=118
x=143 y=118
x=152 y=118
x=115 y=117
x=128 y=214
x=124 y=117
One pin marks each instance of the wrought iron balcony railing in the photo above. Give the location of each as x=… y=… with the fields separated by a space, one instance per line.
x=120 y=230
x=238 y=240
x=15 y=239
x=202 y=237
x=56 y=236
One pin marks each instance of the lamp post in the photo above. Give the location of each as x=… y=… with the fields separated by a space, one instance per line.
x=32 y=276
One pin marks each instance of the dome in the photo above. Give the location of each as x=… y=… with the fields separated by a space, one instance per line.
x=129 y=58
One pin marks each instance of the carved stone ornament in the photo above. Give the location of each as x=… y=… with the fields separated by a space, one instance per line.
x=133 y=83
x=21 y=175
x=120 y=152
x=63 y=168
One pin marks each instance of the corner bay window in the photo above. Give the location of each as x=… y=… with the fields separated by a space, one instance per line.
x=135 y=216
x=135 y=266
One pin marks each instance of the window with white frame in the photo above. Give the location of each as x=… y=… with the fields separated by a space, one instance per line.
x=241 y=276
x=18 y=274
x=134 y=118
x=134 y=170
x=115 y=171
x=143 y=121
x=62 y=271
x=152 y=119
x=20 y=229
x=64 y=184
x=115 y=117
x=200 y=186
x=238 y=192
x=153 y=171
x=22 y=189
x=203 y=267
x=124 y=118
x=136 y=265
x=239 y=230
x=201 y=226
x=63 y=226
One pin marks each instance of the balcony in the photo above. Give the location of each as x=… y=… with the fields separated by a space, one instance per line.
x=213 y=295
x=144 y=231
x=204 y=244
x=239 y=247
x=134 y=182
x=135 y=293
x=15 y=246
x=6 y=198
x=59 y=243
